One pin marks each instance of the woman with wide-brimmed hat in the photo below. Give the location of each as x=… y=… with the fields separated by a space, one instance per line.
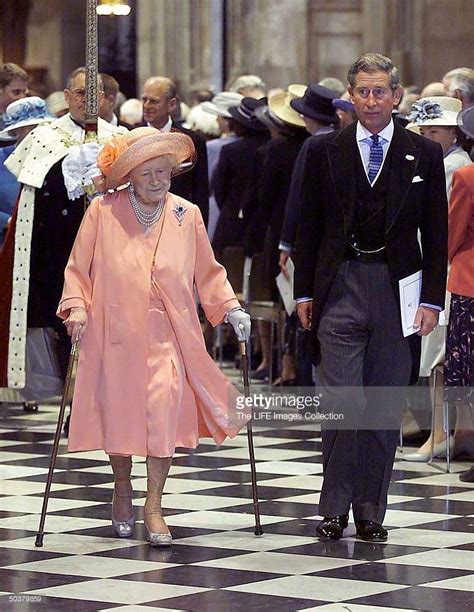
x=263 y=234
x=145 y=383
x=436 y=118
x=235 y=175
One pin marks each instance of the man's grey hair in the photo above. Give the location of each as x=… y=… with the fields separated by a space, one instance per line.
x=457 y=71
x=463 y=83
x=334 y=84
x=374 y=62
x=82 y=70
x=244 y=81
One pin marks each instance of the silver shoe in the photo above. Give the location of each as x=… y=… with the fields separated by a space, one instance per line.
x=124 y=529
x=159 y=539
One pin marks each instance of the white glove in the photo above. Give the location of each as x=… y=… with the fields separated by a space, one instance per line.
x=89 y=151
x=240 y=321
x=79 y=167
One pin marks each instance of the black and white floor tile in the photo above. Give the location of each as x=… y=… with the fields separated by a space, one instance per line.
x=216 y=563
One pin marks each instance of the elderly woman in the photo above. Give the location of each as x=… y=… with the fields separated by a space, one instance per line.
x=436 y=118
x=145 y=383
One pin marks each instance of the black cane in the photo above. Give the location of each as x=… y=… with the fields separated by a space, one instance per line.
x=253 y=471
x=57 y=437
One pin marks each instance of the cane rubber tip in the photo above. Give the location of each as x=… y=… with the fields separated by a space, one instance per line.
x=39 y=540
x=258 y=531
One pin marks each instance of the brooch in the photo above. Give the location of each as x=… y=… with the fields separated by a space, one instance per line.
x=409 y=157
x=179 y=212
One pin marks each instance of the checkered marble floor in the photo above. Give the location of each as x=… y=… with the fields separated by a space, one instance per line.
x=216 y=563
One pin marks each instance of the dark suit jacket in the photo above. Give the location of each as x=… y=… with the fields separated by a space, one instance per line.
x=293 y=202
x=194 y=185
x=235 y=190
x=279 y=158
x=328 y=200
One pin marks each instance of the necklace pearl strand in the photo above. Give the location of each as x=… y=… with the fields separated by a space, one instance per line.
x=143 y=217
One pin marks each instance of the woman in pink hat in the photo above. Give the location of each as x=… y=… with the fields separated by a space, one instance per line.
x=145 y=383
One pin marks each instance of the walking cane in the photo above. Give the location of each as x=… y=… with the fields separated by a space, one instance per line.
x=54 y=452
x=253 y=471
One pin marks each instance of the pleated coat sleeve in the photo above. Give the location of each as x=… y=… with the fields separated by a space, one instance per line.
x=215 y=292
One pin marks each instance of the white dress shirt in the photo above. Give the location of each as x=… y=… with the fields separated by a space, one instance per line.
x=166 y=128
x=364 y=142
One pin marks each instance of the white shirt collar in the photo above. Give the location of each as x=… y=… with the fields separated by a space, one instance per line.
x=167 y=127
x=387 y=133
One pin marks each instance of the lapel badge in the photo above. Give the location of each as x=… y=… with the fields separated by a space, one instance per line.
x=179 y=211
x=409 y=157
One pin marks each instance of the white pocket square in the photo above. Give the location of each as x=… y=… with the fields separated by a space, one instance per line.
x=417 y=179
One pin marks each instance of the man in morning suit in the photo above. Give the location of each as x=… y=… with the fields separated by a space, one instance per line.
x=367 y=191
x=159 y=102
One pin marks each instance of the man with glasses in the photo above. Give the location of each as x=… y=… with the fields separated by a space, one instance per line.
x=159 y=99
x=367 y=192
x=55 y=168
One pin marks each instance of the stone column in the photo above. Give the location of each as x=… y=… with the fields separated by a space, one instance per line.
x=151 y=40
x=268 y=38
x=56 y=38
x=335 y=37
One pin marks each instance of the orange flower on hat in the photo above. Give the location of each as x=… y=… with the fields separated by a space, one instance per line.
x=110 y=152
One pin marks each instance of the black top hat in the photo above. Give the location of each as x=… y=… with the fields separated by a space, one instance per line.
x=245 y=113
x=317 y=104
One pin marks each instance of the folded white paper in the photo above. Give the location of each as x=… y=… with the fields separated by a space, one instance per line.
x=285 y=287
x=410 y=290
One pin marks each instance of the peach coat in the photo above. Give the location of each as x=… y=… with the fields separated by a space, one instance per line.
x=109 y=274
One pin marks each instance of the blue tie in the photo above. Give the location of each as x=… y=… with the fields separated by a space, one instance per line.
x=375 y=158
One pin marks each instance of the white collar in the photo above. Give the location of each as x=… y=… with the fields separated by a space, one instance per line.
x=166 y=128
x=387 y=133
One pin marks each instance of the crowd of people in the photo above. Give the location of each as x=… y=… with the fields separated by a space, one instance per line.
x=351 y=184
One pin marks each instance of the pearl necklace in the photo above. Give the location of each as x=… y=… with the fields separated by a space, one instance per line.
x=143 y=217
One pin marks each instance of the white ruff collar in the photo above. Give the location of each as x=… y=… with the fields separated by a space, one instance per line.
x=47 y=144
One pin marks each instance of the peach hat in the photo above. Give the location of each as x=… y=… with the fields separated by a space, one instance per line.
x=123 y=153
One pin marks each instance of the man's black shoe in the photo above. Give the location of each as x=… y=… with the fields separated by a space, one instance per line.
x=370 y=531
x=331 y=528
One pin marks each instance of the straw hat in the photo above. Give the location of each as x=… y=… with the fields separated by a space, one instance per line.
x=220 y=104
x=296 y=90
x=437 y=110
x=279 y=105
x=23 y=113
x=123 y=153
x=317 y=104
